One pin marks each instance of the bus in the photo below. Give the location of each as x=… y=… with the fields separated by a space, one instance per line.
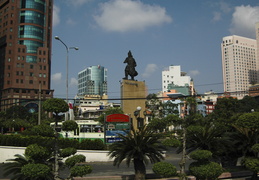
x=87 y=129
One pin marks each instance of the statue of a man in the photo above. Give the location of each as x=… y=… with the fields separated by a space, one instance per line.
x=130 y=68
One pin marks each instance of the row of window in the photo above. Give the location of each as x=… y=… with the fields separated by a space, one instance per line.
x=21 y=73
x=32 y=17
x=32 y=47
x=34 y=4
x=21 y=81
x=30 y=31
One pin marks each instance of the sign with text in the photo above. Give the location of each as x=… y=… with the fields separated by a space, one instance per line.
x=117 y=118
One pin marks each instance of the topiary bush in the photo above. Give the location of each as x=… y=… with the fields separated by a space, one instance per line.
x=172 y=143
x=205 y=170
x=36 y=171
x=71 y=161
x=96 y=144
x=251 y=163
x=37 y=153
x=80 y=170
x=201 y=155
x=67 y=152
x=164 y=169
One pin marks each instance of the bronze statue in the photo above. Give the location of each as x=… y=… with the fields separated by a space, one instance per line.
x=130 y=68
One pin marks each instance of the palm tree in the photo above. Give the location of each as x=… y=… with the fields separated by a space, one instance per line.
x=139 y=146
x=14 y=166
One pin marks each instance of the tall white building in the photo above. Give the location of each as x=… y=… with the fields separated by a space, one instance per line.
x=174 y=76
x=239 y=64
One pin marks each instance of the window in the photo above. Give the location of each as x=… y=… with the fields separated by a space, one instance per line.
x=31 y=82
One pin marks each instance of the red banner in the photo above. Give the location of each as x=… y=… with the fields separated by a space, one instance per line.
x=117 y=118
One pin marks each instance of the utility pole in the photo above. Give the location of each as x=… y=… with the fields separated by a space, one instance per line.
x=39 y=108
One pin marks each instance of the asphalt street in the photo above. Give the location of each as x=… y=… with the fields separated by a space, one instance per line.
x=107 y=168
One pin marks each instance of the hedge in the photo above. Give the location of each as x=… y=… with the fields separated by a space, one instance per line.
x=24 y=141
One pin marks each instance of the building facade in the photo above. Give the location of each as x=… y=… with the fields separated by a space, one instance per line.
x=25 y=51
x=239 y=64
x=92 y=81
x=174 y=76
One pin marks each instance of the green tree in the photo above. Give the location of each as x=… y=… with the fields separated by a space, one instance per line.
x=40 y=130
x=139 y=146
x=252 y=163
x=69 y=125
x=191 y=104
x=37 y=172
x=37 y=154
x=248 y=104
x=17 y=112
x=55 y=106
x=20 y=166
x=225 y=109
x=247 y=125
x=14 y=166
x=163 y=123
x=16 y=124
x=153 y=103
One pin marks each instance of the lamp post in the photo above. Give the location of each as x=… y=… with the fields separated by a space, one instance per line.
x=67 y=49
x=138 y=118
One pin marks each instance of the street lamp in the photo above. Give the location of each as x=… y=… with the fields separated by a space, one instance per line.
x=138 y=118
x=67 y=49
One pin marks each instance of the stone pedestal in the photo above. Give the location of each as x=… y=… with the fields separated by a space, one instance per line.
x=133 y=94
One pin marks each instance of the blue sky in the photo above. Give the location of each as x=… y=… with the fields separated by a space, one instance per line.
x=158 y=32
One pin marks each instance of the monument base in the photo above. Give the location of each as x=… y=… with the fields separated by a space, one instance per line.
x=133 y=95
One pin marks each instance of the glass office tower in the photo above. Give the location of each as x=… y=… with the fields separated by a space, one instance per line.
x=92 y=81
x=25 y=52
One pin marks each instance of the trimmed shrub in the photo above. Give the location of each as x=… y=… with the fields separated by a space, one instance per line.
x=205 y=170
x=201 y=155
x=172 y=143
x=251 y=163
x=66 y=142
x=36 y=171
x=40 y=130
x=80 y=170
x=67 y=152
x=71 y=161
x=164 y=169
x=96 y=144
x=255 y=148
x=37 y=153
x=24 y=141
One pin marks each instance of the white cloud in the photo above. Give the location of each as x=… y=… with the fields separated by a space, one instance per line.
x=194 y=72
x=129 y=15
x=56 y=78
x=149 y=70
x=77 y=2
x=243 y=21
x=216 y=16
x=70 y=21
x=73 y=82
x=56 y=18
x=224 y=7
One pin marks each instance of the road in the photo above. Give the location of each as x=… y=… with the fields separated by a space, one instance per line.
x=107 y=168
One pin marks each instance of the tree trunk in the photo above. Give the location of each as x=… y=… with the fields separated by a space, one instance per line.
x=140 y=169
x=183 y=160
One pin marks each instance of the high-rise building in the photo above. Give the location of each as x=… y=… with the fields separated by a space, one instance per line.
x=257 y=44
x=92 y=81
x=25 y=51
x=175 y=77
x=239 y=64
